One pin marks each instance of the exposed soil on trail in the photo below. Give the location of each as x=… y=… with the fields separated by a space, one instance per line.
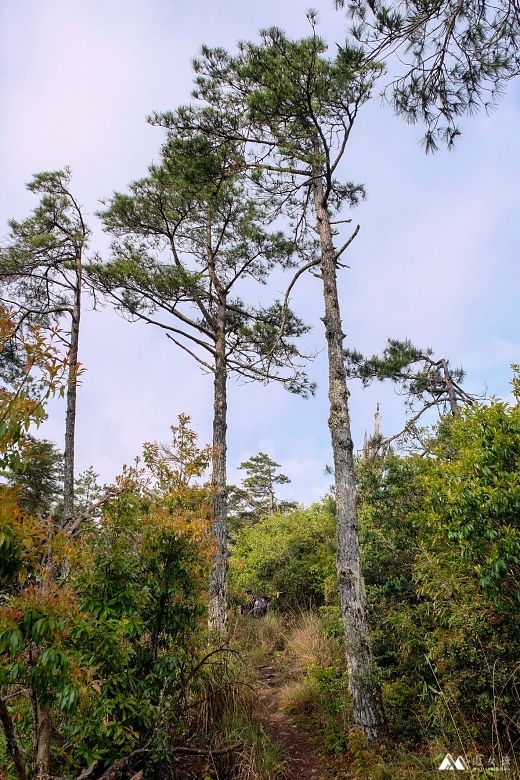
x=301 y=760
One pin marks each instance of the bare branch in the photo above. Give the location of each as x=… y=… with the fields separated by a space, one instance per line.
x=193 y=355
x=73 y=523
x=346 y=244
x=187 y=751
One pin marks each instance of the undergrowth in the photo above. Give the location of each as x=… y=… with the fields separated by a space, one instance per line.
x=307 y=652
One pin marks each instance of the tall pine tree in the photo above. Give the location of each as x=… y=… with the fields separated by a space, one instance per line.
x=185 y=238
x=290 y=110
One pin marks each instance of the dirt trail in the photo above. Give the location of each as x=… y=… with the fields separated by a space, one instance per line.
x=301 y=761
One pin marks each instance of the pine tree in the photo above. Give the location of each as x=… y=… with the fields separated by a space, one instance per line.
x=185 y=238
x=256 y=498
x=454 y=57
x=41 y=268
x=291 y=110
x=425 y=383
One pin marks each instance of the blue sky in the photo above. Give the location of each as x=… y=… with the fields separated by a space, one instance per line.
x=435 y=259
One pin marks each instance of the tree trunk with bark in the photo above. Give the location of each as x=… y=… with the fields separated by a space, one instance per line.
x=72 y=386
x=450 y=388
x=10 y=740
x=42 y=758
x=219 y=564
x=366 y=700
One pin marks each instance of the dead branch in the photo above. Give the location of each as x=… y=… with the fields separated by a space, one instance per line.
x=187 y=751
x=72 y=523
x=285 y=306
x=92 y=769
x=116 y=769
x=346 y=244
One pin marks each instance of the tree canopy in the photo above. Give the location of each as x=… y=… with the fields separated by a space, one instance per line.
x=452 y=57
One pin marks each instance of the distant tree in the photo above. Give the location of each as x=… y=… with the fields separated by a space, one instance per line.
x=290 y=111
x=87 y=491
x=452 y=57
x=185 y=237
x=256 y=497
x=38 y=477
x=41 y=270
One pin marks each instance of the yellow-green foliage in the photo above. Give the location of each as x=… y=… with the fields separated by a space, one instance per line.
x=102 y=628
x=441 y=551
x=288 y=557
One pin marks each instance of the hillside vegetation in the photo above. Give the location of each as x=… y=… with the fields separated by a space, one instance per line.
x=104 y=646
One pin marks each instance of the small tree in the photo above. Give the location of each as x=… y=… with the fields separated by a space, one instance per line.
x=256 y=497
x=20 y=537
x=98 y=629
x=38 y=478
x=41 y=268
x=185 y=237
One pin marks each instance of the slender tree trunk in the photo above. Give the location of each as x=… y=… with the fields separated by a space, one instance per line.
x=10 y=740
x=42 y=762
x=366 y=700
x=42 y=728
x=72 y=385
x=219 y=564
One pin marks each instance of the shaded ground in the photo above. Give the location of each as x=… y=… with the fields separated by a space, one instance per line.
x=302 y=761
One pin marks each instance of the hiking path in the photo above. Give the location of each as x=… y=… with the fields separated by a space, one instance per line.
x=301 y=760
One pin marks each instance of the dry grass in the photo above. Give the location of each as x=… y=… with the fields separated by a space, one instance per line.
x=300 y=697
x=259 y=639
x=306 y=645
x=259 y=758
x=224 y=693
x=221 y=704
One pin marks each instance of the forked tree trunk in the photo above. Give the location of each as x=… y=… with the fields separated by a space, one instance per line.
x=219 y=565
x=451 y=390
x=72 y=385
x=366 y=700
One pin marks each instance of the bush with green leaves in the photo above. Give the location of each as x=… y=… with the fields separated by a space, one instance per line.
x=468 y=572
x=140 y=600
x=289 y=557
x=441 y=546
x=99 y=630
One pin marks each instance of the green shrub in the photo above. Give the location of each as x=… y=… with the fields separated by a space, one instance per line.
x=289 y=557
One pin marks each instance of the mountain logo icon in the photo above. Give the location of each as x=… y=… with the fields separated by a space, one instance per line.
x=450 y=763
